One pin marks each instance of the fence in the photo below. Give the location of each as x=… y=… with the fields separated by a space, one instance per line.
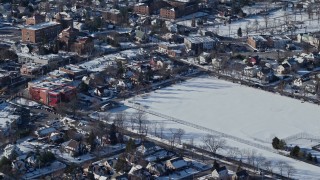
x=211 y=131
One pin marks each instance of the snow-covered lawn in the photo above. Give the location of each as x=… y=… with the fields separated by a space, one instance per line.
x=25 y=102
x=276 y=20
x=240 y=111
x=45 y=170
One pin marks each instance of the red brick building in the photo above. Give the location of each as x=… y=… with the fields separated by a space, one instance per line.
x=169 y=13
x=177 y=9
x=40 y=32
x=51 y=93
x=82 y=46
x=36 y=19
x=112 y=15
x=142 y=8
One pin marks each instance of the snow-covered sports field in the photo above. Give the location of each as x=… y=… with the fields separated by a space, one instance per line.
x=234 y=109
x=240 y=111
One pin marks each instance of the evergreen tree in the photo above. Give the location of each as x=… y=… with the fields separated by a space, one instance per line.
x=275 y=142
x=113 y=134
x=295 y=151
x=216 y=165
x=193 y=22
x=309 y=157
x=91 y=140
x=240 y=32
x=315 y=159
x=130 y=146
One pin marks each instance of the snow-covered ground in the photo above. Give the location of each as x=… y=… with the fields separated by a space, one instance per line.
x=276 y=20
x=25 y=102
x=244 y=112
x=55 y=166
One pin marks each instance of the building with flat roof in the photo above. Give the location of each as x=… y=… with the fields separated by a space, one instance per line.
x=257 y=42
x=40 y=32
x=74 y=71
x=198 y=44
x=112 y=15
x=51 y=91
x=36 y=19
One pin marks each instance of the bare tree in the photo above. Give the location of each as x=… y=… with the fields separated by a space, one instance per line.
x=268 y=165
x=290 y=170
x=162 y=126
x=179 y=133
x=266 y=21
x=259 y=161
x=120 y=119
x=140 y=118
x=281 y=166
x=145 y=127
x=213 y=143
x=310 y=11
x=233 y=152
x=256 y=24
x=155 y=128
x=247 y=28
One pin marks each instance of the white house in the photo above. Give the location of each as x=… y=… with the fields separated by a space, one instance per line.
x=221 y=173
x=251 y=71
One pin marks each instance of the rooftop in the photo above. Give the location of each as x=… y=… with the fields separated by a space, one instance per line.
x=199 y=39
x=42 y=25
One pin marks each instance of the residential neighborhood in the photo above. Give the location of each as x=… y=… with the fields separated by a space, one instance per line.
x=159 y=89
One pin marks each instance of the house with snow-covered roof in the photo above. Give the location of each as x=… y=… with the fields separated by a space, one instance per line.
x=147 y=148
x=178 y=163
x=221 y=173
x=243 y=175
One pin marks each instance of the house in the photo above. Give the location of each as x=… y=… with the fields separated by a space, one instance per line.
x=204 y=58
x=74 y=148
x=241 y=175
x=310 y=38
x=156 y=168
x=55 y=136
x=138 y=172
x=172 y=50
x=265 y=74
x=217 y=63
x=18 y=165
x=141 y=36
x=310 y=86
x=147 y=148
x=32 y=69
x=283 y=68
x=74 y=71
x=251 y=71
x=11 y=150
x=278 y=42
x=159 y=155
x=257 y=42
x=298 y=82
x=45 y=131
x=177 y=163
x=221 y=173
